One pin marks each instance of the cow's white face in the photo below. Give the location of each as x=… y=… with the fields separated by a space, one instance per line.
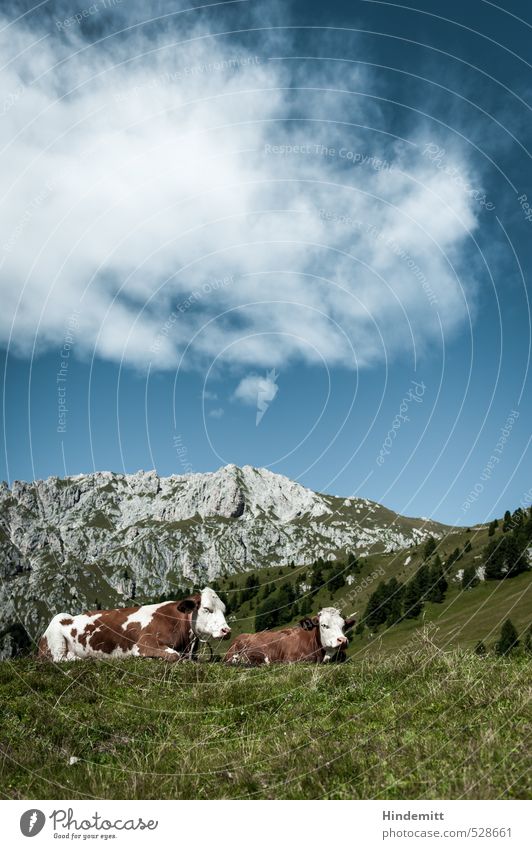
x=209 y=620
x=331 y=629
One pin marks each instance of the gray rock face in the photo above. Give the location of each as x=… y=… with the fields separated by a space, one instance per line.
x=68 y=544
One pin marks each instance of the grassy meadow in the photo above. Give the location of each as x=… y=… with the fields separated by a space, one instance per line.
x=421 y=723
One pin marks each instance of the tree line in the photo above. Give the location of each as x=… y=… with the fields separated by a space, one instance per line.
x=394 y=601
x=506 y=555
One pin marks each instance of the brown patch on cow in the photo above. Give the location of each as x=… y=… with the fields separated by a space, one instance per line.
x=44 y=649
x=66 y=621
x=85 y=634
x=73 y=632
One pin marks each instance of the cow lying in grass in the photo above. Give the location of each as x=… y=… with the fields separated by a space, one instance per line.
x=170 y=630
x=316 y=640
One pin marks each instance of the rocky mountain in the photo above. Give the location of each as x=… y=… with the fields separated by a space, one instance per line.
x=68 y=544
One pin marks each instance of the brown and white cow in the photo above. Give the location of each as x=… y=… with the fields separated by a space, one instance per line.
x=317 y=639
x=169 y=630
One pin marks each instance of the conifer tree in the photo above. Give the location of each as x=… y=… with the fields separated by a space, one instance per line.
x=375 y=613
x=317 y=580
x=517 y=518
x=395 y=602
x=267 y=615
x=353 y=563
x=516 y=559
x=508 y=639
x=305 y=606
x=429 y=548
x=494 y=555
x=423 y=577
x=469 y=578
x=412 y=600
x=438 y=584
x=452 y=559
x=336 y=576
x=266 y=590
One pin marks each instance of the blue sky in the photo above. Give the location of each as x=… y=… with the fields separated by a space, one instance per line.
x=289 y=235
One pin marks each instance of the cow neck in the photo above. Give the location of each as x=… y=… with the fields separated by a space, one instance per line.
x=192 y=637
x=183 y=638
x=317 y=649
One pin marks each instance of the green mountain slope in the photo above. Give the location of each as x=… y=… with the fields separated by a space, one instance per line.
x=462 y=619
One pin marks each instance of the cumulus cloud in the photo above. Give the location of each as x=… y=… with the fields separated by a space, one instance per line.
x=166 y=196
x=255 y=386
x=257 y=390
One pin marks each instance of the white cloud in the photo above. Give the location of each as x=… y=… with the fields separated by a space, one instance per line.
x=132 y=198
x=248 y=388
x=255 y=386
x=258 y=390
x=216 y=413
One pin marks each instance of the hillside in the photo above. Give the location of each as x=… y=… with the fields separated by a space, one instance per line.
x=464 y=617
x=419 y=725
x=106 y=538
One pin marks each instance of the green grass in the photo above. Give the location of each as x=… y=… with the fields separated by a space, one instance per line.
x=423 y=724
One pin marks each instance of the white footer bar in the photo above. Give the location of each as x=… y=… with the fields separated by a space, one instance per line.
x=245 y=824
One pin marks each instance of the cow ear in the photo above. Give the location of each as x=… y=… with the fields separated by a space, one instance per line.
x=188 y=605
x=349 y=623
x=307 y=624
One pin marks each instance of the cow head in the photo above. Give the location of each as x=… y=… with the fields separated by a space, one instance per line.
x=331 y=625
x=207 y=620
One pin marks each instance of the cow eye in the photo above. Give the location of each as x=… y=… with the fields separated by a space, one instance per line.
x=207 y=610
x=324 y=626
